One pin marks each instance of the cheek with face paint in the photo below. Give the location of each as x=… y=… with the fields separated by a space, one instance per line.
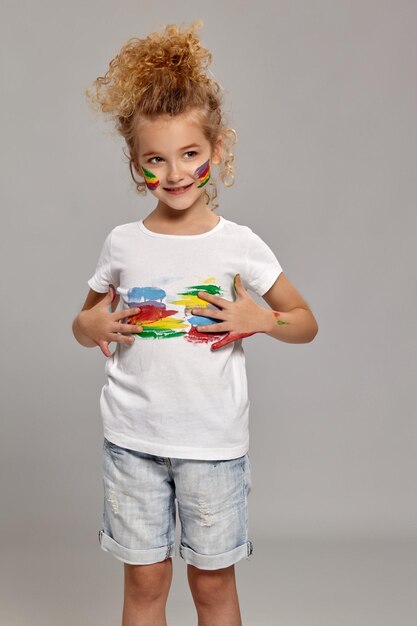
x=152 y=182
x=203 y=173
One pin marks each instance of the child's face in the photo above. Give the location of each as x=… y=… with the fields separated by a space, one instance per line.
x=174 y=158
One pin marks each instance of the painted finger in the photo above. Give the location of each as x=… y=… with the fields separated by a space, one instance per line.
x=229 y=338
x=112 y=288
x=238 y=286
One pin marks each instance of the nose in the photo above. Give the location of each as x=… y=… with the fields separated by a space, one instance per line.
x=174 y=174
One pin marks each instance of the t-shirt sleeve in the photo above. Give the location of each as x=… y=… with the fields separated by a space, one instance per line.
x=103 y=276
x=262 y=267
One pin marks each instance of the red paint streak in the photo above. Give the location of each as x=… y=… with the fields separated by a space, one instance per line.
x=229 y=338
x=195 y=336
x=220 y=339
x=150 y=313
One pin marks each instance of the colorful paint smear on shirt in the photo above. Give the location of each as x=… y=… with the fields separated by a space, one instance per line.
x=190 y=300
x=156 y=320
x=159 y=322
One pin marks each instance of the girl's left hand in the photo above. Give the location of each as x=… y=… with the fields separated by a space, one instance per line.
x=241 y=318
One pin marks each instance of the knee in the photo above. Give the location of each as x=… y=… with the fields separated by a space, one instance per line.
x=207 y=586
x=148 y=582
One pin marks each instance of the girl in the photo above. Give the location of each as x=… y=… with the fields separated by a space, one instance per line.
x=175 y=406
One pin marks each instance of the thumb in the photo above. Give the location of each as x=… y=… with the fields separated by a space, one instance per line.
x=238 y=286
x=110 y=295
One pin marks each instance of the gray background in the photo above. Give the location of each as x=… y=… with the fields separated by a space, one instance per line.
x=323 y=97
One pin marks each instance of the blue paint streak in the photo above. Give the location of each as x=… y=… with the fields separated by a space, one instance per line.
x=199 y=320
x=145 y=293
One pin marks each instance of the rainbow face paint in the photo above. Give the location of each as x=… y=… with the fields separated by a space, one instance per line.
x=151 y=180
x=203 y=173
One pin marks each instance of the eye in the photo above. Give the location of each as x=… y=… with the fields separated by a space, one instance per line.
x=151 y=160
x=191 y=152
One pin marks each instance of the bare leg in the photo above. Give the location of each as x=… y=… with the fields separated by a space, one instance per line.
x=215 y=596
x=146 y=592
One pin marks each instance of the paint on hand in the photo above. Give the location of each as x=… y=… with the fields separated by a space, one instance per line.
x=151 y=180
x=277 y=321
x=190 y=299
x=203 y=173
x=229 y=337
x=234 y=282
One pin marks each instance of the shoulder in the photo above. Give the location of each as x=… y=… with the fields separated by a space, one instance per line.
x=130 y=228
x=245 y=233
x=116 y=238
x=122 y=232
x=234 y=229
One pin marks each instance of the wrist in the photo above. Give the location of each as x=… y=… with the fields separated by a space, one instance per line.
x=79 y=332
x=268 y=320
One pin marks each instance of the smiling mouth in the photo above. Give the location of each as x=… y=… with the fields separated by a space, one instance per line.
x=178 y=189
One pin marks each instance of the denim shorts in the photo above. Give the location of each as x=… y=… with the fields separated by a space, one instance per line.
x=140 y=491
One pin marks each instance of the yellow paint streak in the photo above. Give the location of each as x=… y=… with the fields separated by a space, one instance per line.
x=191 y=301
x=166 y=322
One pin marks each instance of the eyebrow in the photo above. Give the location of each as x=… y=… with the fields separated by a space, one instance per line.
x=193 y=145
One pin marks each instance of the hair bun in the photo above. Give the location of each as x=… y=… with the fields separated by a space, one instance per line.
x=177 y=52
x=159 y=64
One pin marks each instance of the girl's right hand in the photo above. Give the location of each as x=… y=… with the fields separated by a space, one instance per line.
x=103 y=326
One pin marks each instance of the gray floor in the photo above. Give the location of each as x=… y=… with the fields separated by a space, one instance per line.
x=287 y=581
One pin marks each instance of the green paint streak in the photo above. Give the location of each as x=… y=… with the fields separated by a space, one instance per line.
x=281 y=322
x=194 y=289
x=148 y=173
x=159 y=333
x=205 y=183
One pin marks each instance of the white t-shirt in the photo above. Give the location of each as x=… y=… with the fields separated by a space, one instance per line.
x=168 y=393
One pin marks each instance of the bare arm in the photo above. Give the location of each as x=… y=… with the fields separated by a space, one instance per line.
x=291 y=319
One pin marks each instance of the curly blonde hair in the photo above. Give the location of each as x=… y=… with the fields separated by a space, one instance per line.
x=165 y=74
